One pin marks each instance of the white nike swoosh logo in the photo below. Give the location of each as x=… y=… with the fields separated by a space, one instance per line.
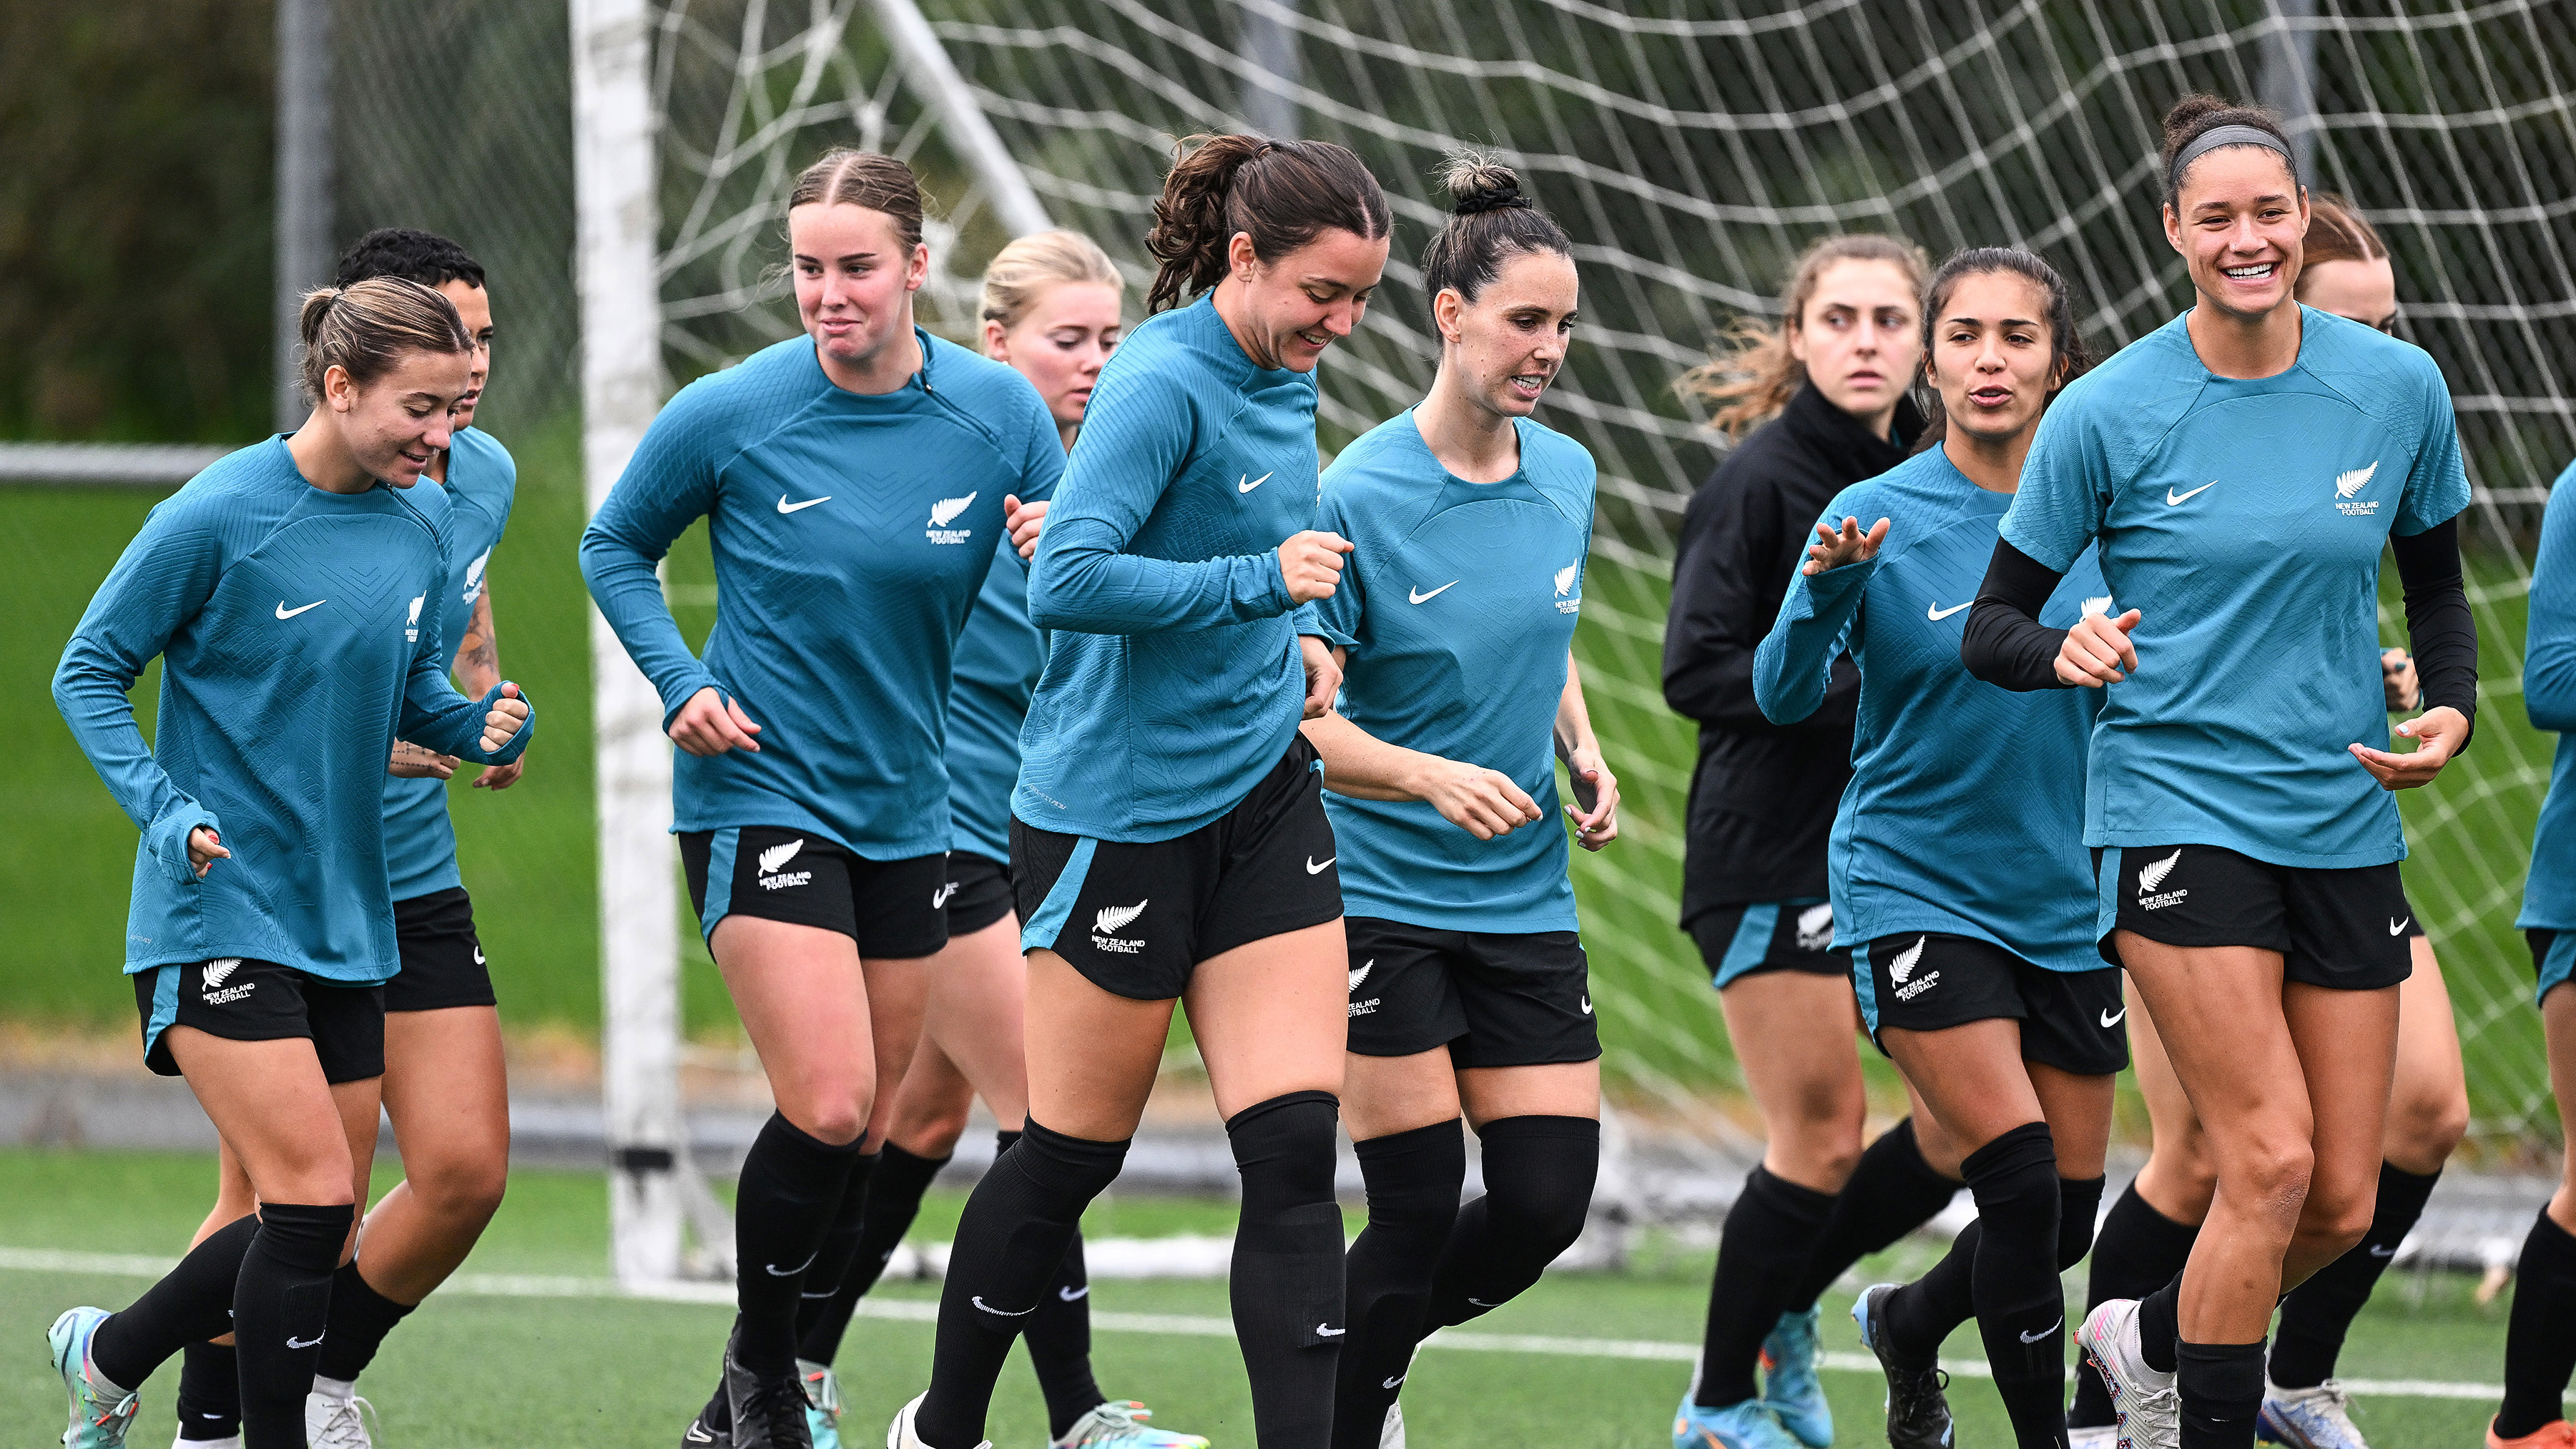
x=478 y=955
x=293 y=1342
x=1937 y=615
x=2398 y=928
x=1074 y=1295
x=1587 y=1006
x=774 y=1271
x=2111 y=1019
x=1313 y=869
x=284 y=612
x=2172 y=498
x=2377 y=1251
x=2043 y=1333
x=1481 y=1303
x=978 y=1301
x=1390 y=1383
x=786 y=507
x=696 y=1435
x=1435 y=593
x=1322 y=1330
x=1242 y=487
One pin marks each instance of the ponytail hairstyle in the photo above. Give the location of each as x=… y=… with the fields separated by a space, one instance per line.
x=1022 y=272
x=365 y=328
x=2338 y=232
x=1490 y=222
x=1282 y=193
x=848 y=176
x=2195 y=116
x=2068 y=357
x=1756 y=380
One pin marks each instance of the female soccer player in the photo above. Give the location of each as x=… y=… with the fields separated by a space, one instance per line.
x=856 y=481
x=1168 y=837
x=1832 y=382
x=296 y=597
x=1469 y=524
x=2241 y=468
x=445 y=1087
x=2540 y=1345
x=1960 y=881
x=2343 y=269
x=1051 y=310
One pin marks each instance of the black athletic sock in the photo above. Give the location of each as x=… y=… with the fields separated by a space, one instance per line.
x=360 y=1319
x=2540 y=1344
x=2222 y=1391
x=2160 y=1326
x=1286 y=1284
x=1764 y=1248
x=1539 y=1173
x=1919 y=1316
x=1058 y=1335
x=2318 y=1313
x=890 y=1201
x=193 y=1302
x=1891 y=1193
x=2138 y=1251
x=282 y=1315
x=784 y=1206
x=209 y=1405
x=2079 y=1202
x=1413 y=1184
x=1010 y=1243
x=844 y=1242
x=2021 y=1305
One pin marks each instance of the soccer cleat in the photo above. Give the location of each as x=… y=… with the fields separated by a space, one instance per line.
x=1123 y=1423
x=1390 y=1432
x=2093 y=1436
x=2556 y=1434
x=2150 y=1409
x=1748 y=1425
x=899 y=1434
x=822 y=1403
x=229 y=1441
x=704 y=1435
x=100 y=1412
x=1918 y=1409
x=1789 y=1383
x=768 y=1410
x=337 y=1421
x=2317 y=1418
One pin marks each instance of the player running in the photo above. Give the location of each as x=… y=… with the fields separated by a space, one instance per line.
x=2241 y=468
x=445 y=1087
x=856 y=481
x=2343 y=269
x=1051 y=310
x=2540 y=1344
x=1960 y=881
x=1168 y=838
x=1832 y=383
x=1469 y=525
x=296 y=593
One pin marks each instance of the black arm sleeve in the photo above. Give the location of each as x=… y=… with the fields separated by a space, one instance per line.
x=2440 y=630
x=1722 y=607
x=2005 y=643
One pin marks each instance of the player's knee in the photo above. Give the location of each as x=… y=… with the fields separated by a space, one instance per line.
x=2337 y=1214
x=1284 y=1149
x=464 y=1191
x=928 y=1129
x=2425 y=1124
x=2269 y=1177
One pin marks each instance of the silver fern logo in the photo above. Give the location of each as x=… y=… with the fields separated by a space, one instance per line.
x=411 y=626
x=1361 y=974
x=2097 y=608
x=1902 y=965
x=218 y=972
x=2151 y=878
x=1111 y=920
x=1565 y=585
x=1816 y=927
x=943 y=513
x=474 y=575
x=1359 y=1007
x=774 y=876
x=2348 y=484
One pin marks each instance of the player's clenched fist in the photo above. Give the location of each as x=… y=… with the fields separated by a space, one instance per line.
x=1311 y=562
x=2096 y=648
x=502 y=720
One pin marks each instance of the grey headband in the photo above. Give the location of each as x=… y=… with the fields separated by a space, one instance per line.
x=2217 y=136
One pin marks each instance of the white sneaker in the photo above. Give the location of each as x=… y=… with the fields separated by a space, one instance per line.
x=2150 y=1409
x=899 y=1434
x=232 y=1441
x=2094 y=1436
x=1122 y=1424
x=2317 y=1418
x=337 y=1421
x=1391 y=1434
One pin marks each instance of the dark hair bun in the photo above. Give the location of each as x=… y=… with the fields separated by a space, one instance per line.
x=1480 y=184
x=2183 y=121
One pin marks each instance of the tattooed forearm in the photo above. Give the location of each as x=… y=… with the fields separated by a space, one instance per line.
x=478 y=656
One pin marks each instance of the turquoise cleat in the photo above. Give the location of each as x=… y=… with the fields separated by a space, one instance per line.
x=1790 y=1388
x=100 y=1411
x=822 y=1402
x=1748 y=1425
x=1123 y=1424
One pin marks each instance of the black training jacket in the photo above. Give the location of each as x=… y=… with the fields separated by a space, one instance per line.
x=1763 y=796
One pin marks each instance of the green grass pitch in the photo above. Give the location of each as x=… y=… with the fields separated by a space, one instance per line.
x=473 y=1370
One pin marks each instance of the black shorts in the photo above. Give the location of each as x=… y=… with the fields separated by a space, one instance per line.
x=894 y=909
x=2074 y=1021
x=442 y=960
x=979 y=892
x=246 y=1000
x=1791 y=935
x=1135 y=917
x=2340 y=928
x=1496 y=999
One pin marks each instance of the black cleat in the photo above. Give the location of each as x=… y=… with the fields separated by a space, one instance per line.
x=713 y=1427
x=1918 y=1412
x=768 y=1410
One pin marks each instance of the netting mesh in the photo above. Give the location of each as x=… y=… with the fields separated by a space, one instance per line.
x=1691 y=158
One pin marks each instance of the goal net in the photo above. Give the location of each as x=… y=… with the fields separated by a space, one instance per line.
x=1692 y=150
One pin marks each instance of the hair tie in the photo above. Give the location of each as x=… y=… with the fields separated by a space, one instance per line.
x=2229 y=135
x=1485 y=201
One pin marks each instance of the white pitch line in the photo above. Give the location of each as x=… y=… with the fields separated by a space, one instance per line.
x=518 y=1285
